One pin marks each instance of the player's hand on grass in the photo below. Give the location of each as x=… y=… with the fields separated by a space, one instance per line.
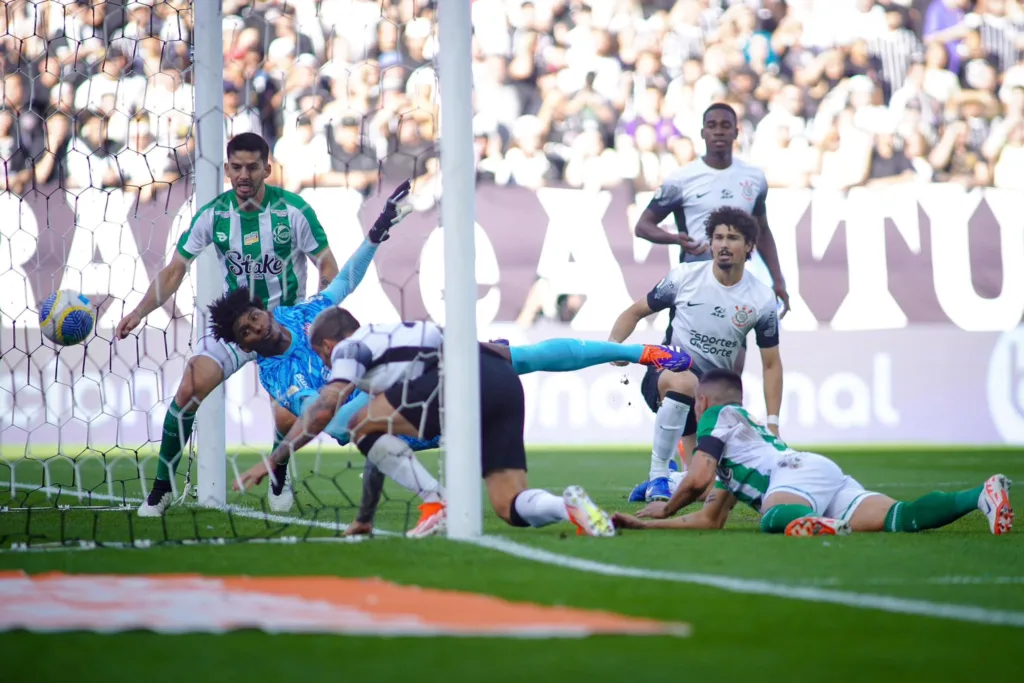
x=393 y=214
x=251 y=477
x=623 y=521
x=358 y=529
x=656 y=510
x=127 y=324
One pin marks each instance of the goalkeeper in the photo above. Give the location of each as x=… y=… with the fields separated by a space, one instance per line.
x=798 y=494
x=289 y=369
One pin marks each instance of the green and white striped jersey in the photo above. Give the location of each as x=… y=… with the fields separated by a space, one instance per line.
x=265 y=249
x=747 y=452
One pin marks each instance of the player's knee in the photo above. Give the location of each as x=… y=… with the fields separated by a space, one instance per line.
x=198 y=380
x=684 y=383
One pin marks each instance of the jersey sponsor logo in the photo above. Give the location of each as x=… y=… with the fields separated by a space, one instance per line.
x=282 y=234
x=251 y=238
x=239 y=264
x=742 y=317
x=719 y=312
x=747 y=190
x=694 y=303
x=711 y=345
x=666 y=194
x=222 y=214
x=703 y=194
x=665 y=291
x=772 y=325
x=281 y=213
x=292 y=390
x=726 y=194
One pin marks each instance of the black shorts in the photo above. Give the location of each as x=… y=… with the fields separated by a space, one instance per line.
x=649 y=390
x=502 y=410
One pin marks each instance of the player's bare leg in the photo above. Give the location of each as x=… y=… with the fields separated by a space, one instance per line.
x=520 y=506
x=374 y=430
x=202 y=375
x=676 y=390
x=793 y=515
x=280 y=496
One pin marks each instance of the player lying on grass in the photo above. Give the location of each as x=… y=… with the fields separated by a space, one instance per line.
x=394 y=455
x=796 y=493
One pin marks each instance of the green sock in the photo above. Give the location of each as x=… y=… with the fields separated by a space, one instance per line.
x=177 y=430
x=778 y=518
x=932 y=511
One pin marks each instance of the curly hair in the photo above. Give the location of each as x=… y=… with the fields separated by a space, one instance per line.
x=225 y=312
x=736 y=218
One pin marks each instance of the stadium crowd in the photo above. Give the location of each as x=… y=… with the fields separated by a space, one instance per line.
x=579 y=93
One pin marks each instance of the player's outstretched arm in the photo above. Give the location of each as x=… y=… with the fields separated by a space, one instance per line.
x=713 y=515
x=354 y=270
x=160 y=290
x=627 y=321
x=305 y=429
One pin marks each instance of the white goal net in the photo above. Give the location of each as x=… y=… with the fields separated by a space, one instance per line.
x=96 y=186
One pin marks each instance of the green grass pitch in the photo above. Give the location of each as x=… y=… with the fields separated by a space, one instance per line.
x=736 y=636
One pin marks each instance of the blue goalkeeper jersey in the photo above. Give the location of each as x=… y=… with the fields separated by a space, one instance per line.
x=298 y=372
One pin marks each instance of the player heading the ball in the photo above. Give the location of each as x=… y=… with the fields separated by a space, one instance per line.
x=262 y=237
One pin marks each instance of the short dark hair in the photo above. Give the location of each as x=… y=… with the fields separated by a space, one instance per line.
x=737 y=218
x=333 y=323
x=226 y=310
x=720 y=106
x=249 y=142
x=727 y=381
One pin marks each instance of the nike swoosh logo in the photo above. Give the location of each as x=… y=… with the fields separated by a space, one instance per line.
x=690 y=303
x=701 y=195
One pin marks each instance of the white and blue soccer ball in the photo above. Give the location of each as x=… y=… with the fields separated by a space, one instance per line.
x=67 y=317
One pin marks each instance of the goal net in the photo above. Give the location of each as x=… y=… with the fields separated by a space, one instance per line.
x=97 y=138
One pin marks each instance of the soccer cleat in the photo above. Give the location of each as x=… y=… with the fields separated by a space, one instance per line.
x=282 y=502
x=433 y=517
x=670 y=358
x=817 y=526
x=994 y=501
x=589 y=519
x=502 y=342
x=156 y=504
x=639 y=492
x=658 y=489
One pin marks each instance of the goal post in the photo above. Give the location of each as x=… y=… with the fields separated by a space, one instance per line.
x=208 y=78
x=461 y=389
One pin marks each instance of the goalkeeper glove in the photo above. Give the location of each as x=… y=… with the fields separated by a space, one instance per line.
x=394 y=213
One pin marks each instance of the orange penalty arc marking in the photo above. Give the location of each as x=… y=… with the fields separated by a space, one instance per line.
x=190 y=603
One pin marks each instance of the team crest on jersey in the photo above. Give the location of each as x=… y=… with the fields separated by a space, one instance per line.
x=282 y=234
x=742 y=317
x=747 y=190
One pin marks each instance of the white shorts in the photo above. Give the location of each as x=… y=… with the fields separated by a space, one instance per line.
x=829 y=491
x=229 y=357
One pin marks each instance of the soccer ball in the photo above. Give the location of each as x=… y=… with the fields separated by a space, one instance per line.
x=67 y=317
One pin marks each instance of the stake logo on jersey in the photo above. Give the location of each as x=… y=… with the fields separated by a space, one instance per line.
x=711 y=320
x=290 y=377
x=694 y=191
x=263 y=249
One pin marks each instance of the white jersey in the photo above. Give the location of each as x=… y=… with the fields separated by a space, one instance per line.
x=711 y=321
x=378 y=356
x=747 y=453
x=692 y=192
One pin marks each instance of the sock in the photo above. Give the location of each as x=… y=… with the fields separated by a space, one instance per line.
x=669 y=423
x=280 y=470
x=565 y=355
x=778 y=518
x=395 y=459
x=932 y=511
x=536 y=507
x=177 y=430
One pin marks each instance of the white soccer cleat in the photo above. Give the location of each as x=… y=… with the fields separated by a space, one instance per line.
x=994 y=501
x=157 y=507
x=284 y=501
x=818 y=526
x=589 y=519
x=433 y=520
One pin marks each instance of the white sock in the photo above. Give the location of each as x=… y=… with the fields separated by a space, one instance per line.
x=396 y=460
x=540 y=508
x=669 y=423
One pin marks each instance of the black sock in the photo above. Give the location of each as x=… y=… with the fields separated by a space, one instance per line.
x=280 y=472
x=160 y=487
x=514 y=518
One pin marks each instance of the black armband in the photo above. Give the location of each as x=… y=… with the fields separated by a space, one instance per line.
x=711 y=445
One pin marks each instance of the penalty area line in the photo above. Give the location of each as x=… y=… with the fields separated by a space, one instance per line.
x=884 y=603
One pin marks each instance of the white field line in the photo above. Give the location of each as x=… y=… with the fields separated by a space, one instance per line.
x=885 y=603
